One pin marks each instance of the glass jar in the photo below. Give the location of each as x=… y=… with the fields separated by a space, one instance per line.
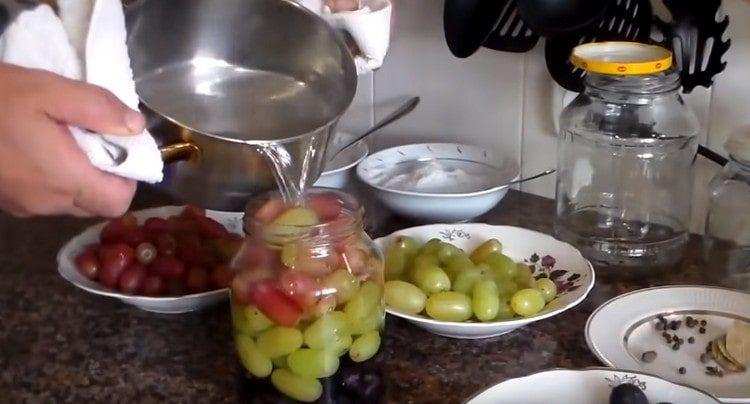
x=308 y=289
x=727 y=236
x=625 y=152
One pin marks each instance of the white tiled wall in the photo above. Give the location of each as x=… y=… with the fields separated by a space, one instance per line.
x=508 y=101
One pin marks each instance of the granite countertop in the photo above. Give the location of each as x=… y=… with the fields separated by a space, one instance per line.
x=61 y=344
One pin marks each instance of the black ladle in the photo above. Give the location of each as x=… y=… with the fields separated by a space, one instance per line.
x=554 y=17
x=468 y=23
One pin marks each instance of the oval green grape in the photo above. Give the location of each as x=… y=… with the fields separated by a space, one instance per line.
x=298 y=387
x=343 y=282
x=423 y=259
x=431 y=279
x=314 y=363
x=328 y=331
x=431 y=247
x=446 y=251
x=404 y=296
x=547 y=287
x=365 y=346
x=527 y=302
x=483 y=250
x=449 y=306
x=502 y=265
x=524 y=277
x=252 y=359
x=395 y=262
x=465 y=280
x=458 y=264
x=504 y=311
x=485 y=301
x=279 y=341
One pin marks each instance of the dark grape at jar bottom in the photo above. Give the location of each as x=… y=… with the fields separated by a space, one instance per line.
x=307 y=296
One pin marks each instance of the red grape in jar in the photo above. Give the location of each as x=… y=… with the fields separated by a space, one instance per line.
x=303 y=289
x=145 y=253
x=168 y=267
x=132 y=278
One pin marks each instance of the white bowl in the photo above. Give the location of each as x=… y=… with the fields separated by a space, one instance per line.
x=441 y=202
x=66 y=266
x=586 y=386
x=519 y=244
x=338 y=172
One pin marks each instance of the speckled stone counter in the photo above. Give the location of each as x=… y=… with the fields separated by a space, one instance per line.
x=61 y=344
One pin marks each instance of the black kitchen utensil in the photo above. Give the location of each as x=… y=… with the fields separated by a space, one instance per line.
x=623 y=20
x=694 y=36
x=554 y=17
x=468 y=23
x=511 y=34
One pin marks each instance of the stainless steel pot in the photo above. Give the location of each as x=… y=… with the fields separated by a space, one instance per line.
x=217 y=79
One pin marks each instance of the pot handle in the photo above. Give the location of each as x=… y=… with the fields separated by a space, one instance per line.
x=182 y=151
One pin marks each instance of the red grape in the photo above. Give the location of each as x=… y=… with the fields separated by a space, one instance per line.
x=176 y=287
x=275 y=304
x=222 y=276
x=327 y=206
x=197 y=280
x=153 y=285
x=210 y=228
x=133 y=236
x=117 y=230
x=193 y=212
x=88 y=264
x=109 y=275
x=168 y=267
x=113 y=259
x=156 y=225
x=300 y=288
x=270 y=210
x=132 y=278
x=166 y=244
x=242 y=283
x=145 y=253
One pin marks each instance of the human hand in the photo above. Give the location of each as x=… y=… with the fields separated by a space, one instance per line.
x=42 y=169
x=342 y=5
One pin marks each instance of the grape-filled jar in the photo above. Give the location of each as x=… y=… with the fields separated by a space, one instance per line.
x=625 y=152
x=727 y=236
x=308 y=290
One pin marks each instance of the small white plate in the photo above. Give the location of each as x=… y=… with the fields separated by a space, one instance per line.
x=620 y=330
x=66 y=266
x=440 y=199
x=337 y=172
x=520 y=244
x=586 y=386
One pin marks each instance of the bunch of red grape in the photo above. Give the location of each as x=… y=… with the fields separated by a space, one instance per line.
x=183 y=254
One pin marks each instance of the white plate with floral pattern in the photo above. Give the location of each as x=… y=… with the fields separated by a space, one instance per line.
x=587 y=386
x=549 y=257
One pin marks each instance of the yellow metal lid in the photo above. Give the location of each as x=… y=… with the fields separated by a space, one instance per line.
x=621 y=58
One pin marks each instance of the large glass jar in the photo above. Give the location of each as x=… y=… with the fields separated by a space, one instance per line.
x=727 y=238
x=625 y=151
x=308 y=291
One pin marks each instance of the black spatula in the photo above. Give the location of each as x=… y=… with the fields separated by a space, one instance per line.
x=511 y=34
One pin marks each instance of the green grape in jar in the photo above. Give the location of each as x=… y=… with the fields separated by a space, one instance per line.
x=280 y=362
x=524 y=276
x=485 y=249
x=465 y=280
x=305 y=389
x=485 y=301
x=249 y=319
x=314 y=363
x=431 y=279
x=547 y=287
x=368 y=297
x=372 y=321
x=327 y=332
x=527 y=302
x=253 y=360
x=502 y=265
x=365 y=346
x=343 y=282
x=279 y=341
x=291 y=225
x=449 y=306
x=404 y=296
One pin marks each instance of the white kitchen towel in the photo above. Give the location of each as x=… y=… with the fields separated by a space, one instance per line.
x=369 y=26
x=38 y=39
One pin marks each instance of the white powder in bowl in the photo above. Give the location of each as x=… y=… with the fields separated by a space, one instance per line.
x=440 y=176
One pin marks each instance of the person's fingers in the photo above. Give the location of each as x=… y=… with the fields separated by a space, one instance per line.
x=90 y=107
x=104 y=194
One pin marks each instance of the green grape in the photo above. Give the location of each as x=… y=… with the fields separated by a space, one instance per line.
x=372 y=321
x=431 y=247
x=431 y=279
x=300 y=388
x=289 y=255
x=524 y=278
x=327 y=332
x=290 y=225
x=343 y=282
x=507 y=287
x=280 y=362
x=251 y=357
x=314 y=363
x=458 y=264
x=423 y=259
x=504 y=311
x=449 y=306
x=365 y=346
x=446 y=251
x=547 y=287
x=395 y=263
x=485 y=301
x=501 y=265
x=279 y=341
x=465 y=280
x=404 y=296
x=490 y=246
x=341 y=345
x=249 y=320
x=527 y=302
x=366 y=300
x=408 y=244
